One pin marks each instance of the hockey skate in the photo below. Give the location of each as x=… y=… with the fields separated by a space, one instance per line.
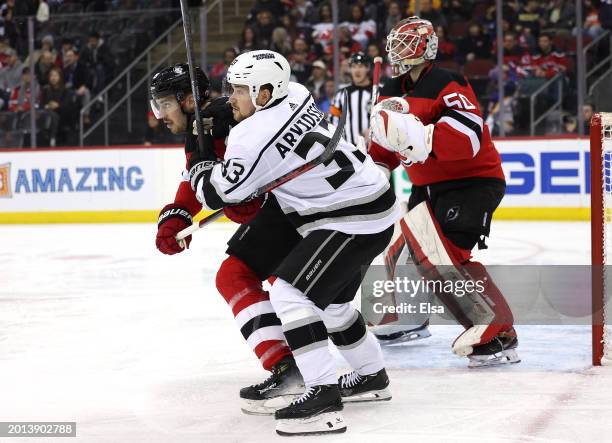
x=317 y=411
x=499 y=351
x=277 y=391
x=361 y=388
x=394 y=334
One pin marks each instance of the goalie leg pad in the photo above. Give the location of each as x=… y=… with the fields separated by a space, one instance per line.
x=253 y=312
x=434 y=256
x=503 y=320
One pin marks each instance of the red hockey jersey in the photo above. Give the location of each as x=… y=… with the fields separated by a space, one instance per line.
x=462 y=145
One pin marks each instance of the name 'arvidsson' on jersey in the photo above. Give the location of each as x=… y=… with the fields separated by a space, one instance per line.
x=348 y=194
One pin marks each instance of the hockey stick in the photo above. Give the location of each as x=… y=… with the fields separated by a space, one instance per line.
x=376 y=79
x=375 y=89
x=195 y=89
x=325 y=156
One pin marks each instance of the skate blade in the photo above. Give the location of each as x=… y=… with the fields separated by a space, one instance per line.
x=268 y=406
x=405 y=337
x=501 y=358
x=378 y=395
x=326 y=423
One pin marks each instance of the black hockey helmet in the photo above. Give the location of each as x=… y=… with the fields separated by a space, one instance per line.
x=359 y=58
x=175 y=81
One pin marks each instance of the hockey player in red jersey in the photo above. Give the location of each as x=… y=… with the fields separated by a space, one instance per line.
x=239 y=279
x=428 y=120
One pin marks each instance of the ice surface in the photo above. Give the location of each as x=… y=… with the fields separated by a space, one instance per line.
x=97 y=327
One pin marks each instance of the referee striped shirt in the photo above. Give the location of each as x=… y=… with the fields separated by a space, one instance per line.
x=358 y=116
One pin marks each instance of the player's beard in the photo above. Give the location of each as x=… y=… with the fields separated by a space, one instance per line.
x=175 y=127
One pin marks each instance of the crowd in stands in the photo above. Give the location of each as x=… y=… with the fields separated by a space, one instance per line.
x=72 y=65
x=73 y=60
x=539 y=44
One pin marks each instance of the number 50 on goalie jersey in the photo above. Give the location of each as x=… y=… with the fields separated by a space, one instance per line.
x=462 y=145
x=348 y=194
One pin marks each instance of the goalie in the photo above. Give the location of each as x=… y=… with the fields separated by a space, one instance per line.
x=428 y=120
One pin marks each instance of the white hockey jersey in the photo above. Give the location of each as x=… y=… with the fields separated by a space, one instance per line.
x=348 y=194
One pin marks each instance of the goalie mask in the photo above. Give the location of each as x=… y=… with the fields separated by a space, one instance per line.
x=410 y=43
x=170 y=86
x=256 y=69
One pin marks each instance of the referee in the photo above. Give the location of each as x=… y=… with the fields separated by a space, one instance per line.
x=359 y=95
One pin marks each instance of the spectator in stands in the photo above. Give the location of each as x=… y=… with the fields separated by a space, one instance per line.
x=98 y=56
x=219 y=69
x=316 y=81
x=248 y=40
x=263 y=27
x=8 y=27
x=10 y=72
x=42 y=13
x=560 y=14
x=428 y=12
x=62 y=103
x=288 y=24
x=570 y=123
x=280 y=41
x=21 y=95
x=588 y=109
x=304 y=13
x=345 y=41
x=513 y=53
x=531 y=16
x=274 y=7
x=66 y=45
x=592 y=25
x=373 y=52
x=325 y=101
x=494 y=119
x=46 y=45
x=300 y=60
x=527 y=40
x=42 y=67
x=323 y=31
x=547 y=62
x=475 y=44
x=447 y=50
x=456 y=10
x=77 y=78
x=362 y=29
x=394 y=15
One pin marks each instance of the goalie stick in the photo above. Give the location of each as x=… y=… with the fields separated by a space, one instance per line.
x=376 y=79
x=375 y=89
x=325 y=156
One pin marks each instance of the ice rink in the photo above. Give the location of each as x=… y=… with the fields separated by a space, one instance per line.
x=99 y=328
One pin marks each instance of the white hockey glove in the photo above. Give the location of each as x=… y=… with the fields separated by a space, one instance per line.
x=404 y=134
x=395 y=104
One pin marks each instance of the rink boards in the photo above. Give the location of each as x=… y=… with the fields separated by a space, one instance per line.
x=547 y=179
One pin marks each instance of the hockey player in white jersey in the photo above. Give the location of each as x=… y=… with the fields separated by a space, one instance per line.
x=345 y=210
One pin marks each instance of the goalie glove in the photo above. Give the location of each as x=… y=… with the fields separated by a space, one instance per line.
x=403 y=134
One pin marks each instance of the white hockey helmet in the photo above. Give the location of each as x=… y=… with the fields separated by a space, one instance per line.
x=257 y=68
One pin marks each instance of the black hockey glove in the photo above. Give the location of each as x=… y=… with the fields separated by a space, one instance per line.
x=220 y=111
